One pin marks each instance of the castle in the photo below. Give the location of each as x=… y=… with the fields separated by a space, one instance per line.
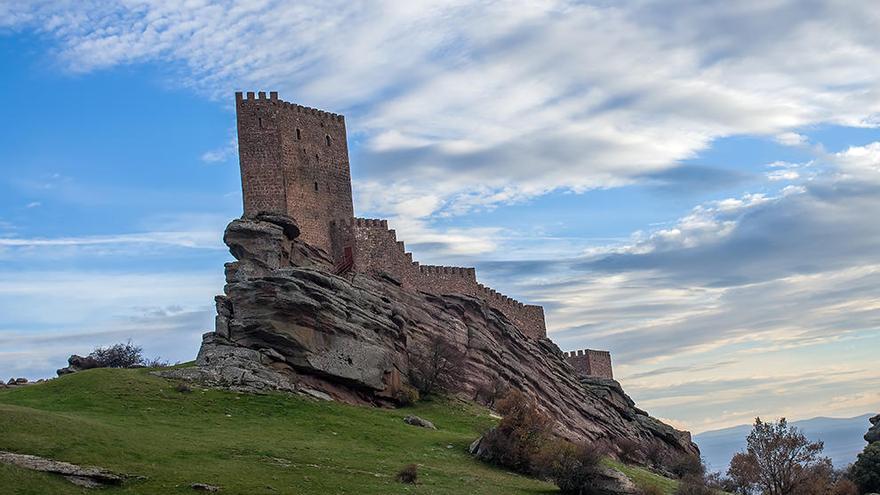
x=294 y=160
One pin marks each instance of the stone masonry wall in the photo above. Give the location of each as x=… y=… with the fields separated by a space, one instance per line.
x=590 y=362
x=378 y=250
x=294 y=160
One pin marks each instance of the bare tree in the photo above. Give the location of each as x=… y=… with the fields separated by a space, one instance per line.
x=435 y=366
x=779 y=460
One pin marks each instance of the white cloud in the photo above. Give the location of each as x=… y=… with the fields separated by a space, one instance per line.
x=778 y=175
x=791 y=139
x=223 y=153
x=33 y=204
x=505 y=100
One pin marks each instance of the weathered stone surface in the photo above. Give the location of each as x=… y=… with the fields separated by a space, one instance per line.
x=350 y=338
x=607 y=481
x=417 y=421
x=83 y=476
x=78 y=363
x=873 y=434
x=289 y=225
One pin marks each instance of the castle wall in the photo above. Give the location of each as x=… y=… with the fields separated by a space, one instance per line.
x=590 y=362
x=294 y=160
x=378 y=250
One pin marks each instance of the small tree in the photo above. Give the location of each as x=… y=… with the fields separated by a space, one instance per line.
x=435 y=366
x=519 y=436
x=779 y=460
x=571 y=466
x=124 y=355
x=866 y=470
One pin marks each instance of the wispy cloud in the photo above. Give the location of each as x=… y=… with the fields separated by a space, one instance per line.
x=195 y=240
x=470 y=103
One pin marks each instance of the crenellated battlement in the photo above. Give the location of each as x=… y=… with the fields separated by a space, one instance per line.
x=260 y=97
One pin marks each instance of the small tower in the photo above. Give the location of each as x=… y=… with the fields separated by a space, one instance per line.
x=590 y=363
x=294 y=160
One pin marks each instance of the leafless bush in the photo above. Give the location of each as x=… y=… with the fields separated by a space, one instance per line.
x=156 y=362
x=406 y=396
x=653 y=490
x=570 y=466
x=630 y=451
x=488 y=393
x=657 y=455
x=686 y=466
x=694 y=485
x=125 y=355
x=409 y=474
x=517 y=439
x=435 y=366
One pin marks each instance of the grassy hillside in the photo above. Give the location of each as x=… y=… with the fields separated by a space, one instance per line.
x=134 y=423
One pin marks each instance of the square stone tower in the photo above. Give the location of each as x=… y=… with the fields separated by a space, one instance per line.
x=294 y=160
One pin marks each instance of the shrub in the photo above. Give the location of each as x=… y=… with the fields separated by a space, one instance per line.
x=686 y=466
x=866 y=470
x=845 y=487
x=409 y=474
x=406 y=396
x=693 y=485
x=519 y=436
x=156 y=362
x=571 y=466
x=653 y=490
x=657 y=455
x=488 y=393
x=435 y=366
x=630 y=451
x=183 y=388
x=125 y=355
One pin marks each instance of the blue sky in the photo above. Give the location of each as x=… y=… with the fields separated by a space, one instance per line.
x=692 y=186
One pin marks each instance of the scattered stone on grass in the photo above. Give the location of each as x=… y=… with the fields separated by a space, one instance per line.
x=86 y=476
x=417 y=421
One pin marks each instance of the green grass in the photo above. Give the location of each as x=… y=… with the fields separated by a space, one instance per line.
x=131 y=422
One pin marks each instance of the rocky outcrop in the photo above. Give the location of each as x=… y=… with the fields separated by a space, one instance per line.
x=88 y=477
x=78 y=363
x=287 y=322
x=873 y=434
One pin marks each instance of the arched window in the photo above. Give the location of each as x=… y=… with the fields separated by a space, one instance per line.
x=316 y=157
x=298 y=135
x=316 y=186
x=328 y=139
x=261 y=122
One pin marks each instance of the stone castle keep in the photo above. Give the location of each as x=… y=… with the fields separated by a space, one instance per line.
x=294 y=161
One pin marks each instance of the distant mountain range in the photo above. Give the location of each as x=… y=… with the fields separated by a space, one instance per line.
x=842 y=437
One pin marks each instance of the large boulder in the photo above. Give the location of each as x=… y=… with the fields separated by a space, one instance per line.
x=286 y=321
x=78 y=363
